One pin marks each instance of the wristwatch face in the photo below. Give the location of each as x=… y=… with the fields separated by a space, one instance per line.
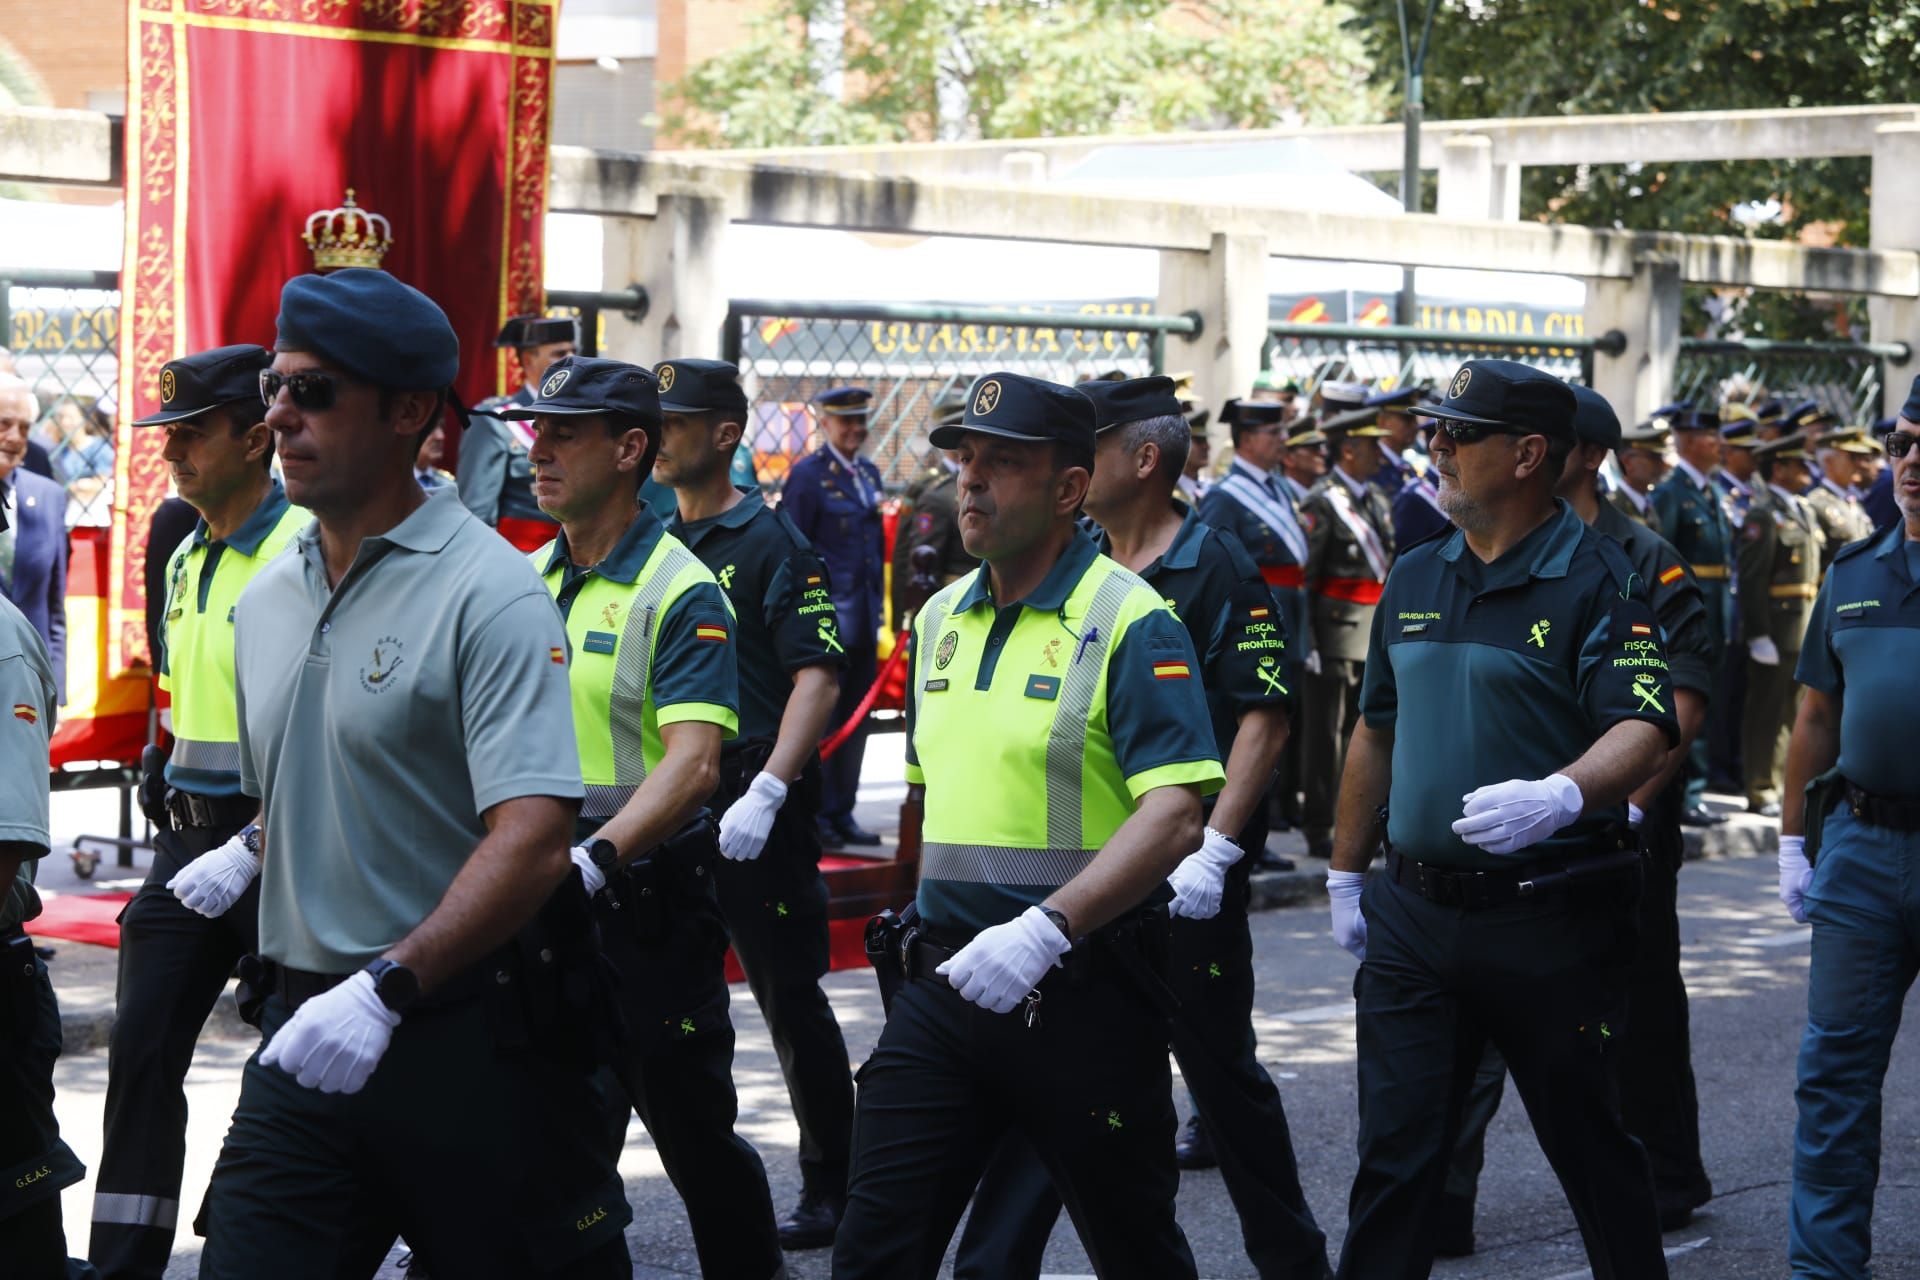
x=604 y=855
x=250 y=837
x=395 y=984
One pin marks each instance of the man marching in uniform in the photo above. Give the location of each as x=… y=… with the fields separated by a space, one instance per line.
x=1780 y=561
x=790 y=655
x=654 y=692
x=833 y=497
x=496 y=479
x=198 y=912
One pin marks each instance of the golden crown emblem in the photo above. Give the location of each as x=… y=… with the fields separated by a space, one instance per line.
x=347 y=237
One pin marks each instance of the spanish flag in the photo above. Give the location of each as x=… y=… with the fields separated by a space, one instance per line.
x=1171 y=671
x=557 y=656
x=1642 y=629
x=774 y=328
x=710 y=631
x=1671 y=576
x=1259 y=613
x=22 y=711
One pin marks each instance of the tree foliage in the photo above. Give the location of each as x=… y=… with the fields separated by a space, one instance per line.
x=1591 y=57
x=917 y=70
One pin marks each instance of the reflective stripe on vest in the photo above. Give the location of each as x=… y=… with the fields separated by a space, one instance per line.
x=189 y=753
x=1067 y=741
x=633 y=667
x=1001 y=864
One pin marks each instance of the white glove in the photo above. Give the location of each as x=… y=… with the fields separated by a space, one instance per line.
x=744 y=826
x=1201 y=878
x=1796 y=873
x=214 y=881
x=1349 y=926
x=1312 y=664
x=1635 y=815
x=1509 y=816
x=1002 y=964
x=334 y=1041
x=595 y=879
x=1763 y=651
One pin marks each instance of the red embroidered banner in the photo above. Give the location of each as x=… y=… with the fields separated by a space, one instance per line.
x=245 y=116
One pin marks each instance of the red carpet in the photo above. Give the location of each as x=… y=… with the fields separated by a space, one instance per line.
x=81 y=917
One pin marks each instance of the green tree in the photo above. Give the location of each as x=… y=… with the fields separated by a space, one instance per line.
x=1593 y=57
x=927 y=69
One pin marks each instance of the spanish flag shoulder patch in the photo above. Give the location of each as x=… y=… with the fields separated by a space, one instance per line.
x=710 y=631
x=1670 y=576
x=1259 y=613
x=1171 y=671
x=1642 y=629
x=557 y=656
x=24 y=711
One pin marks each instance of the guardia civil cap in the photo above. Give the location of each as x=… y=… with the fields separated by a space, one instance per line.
x=206 y=380
x=1016 y=407
x=580 y=385
x=700 y=386
x=372 y=326
x=1506 y=393
x=1133 y=400
x=1594 y=421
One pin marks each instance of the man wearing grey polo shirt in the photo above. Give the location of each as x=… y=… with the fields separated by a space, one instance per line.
x=404 y=719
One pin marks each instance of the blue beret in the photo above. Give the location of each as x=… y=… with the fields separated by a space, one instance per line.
x=372 y=326
x=1911 y=409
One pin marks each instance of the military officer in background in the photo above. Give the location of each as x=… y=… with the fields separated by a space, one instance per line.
x=654 y=691
x=833 y=497
x=496 y=480
x=426 y=464
x=1738 y=439
x=1687 y=508
x=1399 y=436
x=1349 y=551
x=1194 y=480
x=1780 y=561
x=1478 y=931
x=1736 y=479
x=1842 y=517
x=1860 y=827
x=198 y=911
x=1024 y=1007
x=1878 y=501
x=930 y=517
x=790 y=657
x=1642 y=457
x=423 y=1050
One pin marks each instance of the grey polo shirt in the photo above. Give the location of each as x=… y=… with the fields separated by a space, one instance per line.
x=379 y=720
x=26 y=724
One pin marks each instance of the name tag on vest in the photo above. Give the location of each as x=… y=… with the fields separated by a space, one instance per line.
x=1046 y=688
x=935 y=686
x=599 y=642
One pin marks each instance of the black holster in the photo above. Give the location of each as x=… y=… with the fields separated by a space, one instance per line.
x=643 y=891
x=889 y=935
x=562 y=996
x=739 y=762
x=256 y=974
x=152 y=792
x=1823 y=793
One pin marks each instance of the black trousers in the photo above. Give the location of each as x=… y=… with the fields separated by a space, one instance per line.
x=1654 y=1062
x=35 y=1165
x=776 y=908
x=1087 y=1087
x=1545 y=983
x=676 y=1070
x=173 y=965
x=840 y=774
x=1211 y=974
x=486 y=1155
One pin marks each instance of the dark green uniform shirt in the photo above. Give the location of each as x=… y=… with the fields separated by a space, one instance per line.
x=1864 y=643
x=1490 y=672
x=1780 y=561
x=1675 y=596
x=784 y=615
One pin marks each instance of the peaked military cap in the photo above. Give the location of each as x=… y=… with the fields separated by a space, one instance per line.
x=206 y=380
x=371 y=325
x=1136 y=399
x=1791 y=448
x=1769 y=410
x=1737 y=424
x=1852 y=440
x=1505 y=393
x=699 y=386
x=579 y=385
x=1594 y=421
x=1361 y=424
x=1807 y=415
x=1343 y=395
x=1400 y=398
x=1016 y=407
x=1196 y=420
x=1306 y=433
x=538 y=331
x=1251 y=413
x=950 y=407
x=847 y=402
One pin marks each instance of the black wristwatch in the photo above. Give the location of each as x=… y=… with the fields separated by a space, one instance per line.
x=603 y=855
x=395 y=984
x=1059 y=919
x=250 y=838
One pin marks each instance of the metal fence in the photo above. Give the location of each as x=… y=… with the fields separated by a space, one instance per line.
x=1395 y=355
x=1845 y=377
x=912 y=356
x=63 y=330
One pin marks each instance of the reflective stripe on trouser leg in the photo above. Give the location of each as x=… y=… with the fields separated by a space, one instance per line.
x=134 y=1210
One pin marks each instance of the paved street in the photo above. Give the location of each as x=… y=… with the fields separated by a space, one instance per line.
x=1746 y=965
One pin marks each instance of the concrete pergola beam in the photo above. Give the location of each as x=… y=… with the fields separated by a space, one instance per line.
x=77 y=148
x=612 y=184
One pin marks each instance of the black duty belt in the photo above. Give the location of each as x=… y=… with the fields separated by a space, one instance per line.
x=297 y=986
x=1475 y=890
x=186 y=809
x=1896 y=813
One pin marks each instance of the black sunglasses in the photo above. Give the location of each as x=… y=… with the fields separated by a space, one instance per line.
x=1474 y=432
x=310 y=390
x=1898 y=442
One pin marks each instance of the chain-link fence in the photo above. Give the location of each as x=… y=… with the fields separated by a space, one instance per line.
x=63 y=331
x=1845 y=377
x=1396 y=356
x=911 y=357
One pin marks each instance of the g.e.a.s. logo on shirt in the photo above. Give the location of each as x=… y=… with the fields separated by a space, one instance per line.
x=379 y=675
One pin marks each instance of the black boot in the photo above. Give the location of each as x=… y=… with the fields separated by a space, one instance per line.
x=1193 y=1149
x=814 y=1220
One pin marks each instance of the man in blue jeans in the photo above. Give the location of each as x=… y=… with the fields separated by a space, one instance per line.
x=1863 y=818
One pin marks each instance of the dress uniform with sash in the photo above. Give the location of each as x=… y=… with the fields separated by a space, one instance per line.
x=1737 y=431
x=175 y=959
x=379 y=719
x=35 y=1164
x=1862 y=648
x=1780 y=559
x=1349 y=551
x=651 y=638
x=835 y=503
x=1036 y=726
x=930 y=517
x=495 y=477
x=775 y=904
x=1552 y=645
x=1216 y=591
x=1842 y=517
x=1689 y=515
